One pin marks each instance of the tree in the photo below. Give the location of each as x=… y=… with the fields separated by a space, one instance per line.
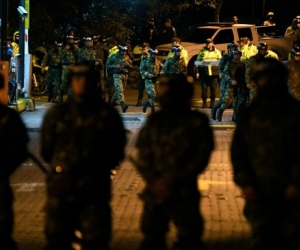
x=215 y=4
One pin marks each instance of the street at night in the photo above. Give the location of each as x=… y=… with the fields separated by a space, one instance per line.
x=221 y=203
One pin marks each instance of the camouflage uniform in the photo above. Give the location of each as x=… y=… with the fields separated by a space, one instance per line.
x=224 y=59
x=119 y=76
x=250 y=71
x=293 y=68
x=79 y=185
x=150 y=66
x=98 y=47
x=141 y=82
x=234 y=70
x=67 y=57
x=109 y=74
x=13 y=151
x=184 y=55
x=174 y=147
x=174 y=66
x=265 y=158
x=53 y=74
x=209 y=75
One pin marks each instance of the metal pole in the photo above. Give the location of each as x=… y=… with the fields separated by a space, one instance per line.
x=21 y=47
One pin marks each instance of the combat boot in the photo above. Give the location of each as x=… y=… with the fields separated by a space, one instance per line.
x=124 y=107
x=61 y=98
x=49 y=97
x=139 y=103
x=204 y=105
x=220 y=114
x=145 y=105
x=213 y=112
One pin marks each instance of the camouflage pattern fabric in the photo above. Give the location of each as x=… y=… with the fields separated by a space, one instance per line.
x=269 y=127
x=184 y=55
x=150 y=66
x=13 y=151
x=293 y=68
x=54 y=72
x=234 y=70
x=66 y=57
x=174 y=147
x=173 y=66
x=79 y=184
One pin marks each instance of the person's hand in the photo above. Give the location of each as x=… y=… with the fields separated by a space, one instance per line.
x=249 y=85
x=249 y=194
x=292 y=193
x=234 y=82
x=118 y=66
x=197 y=75
x=68 y=47
x=220 y=76
x=43 y=70
x=97 y=63
x=150 y=75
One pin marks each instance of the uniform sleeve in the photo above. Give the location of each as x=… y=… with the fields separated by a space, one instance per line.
x=45 y=61
x=143 y=69
x=227 y=73
x=110 y=62
x=200 y=56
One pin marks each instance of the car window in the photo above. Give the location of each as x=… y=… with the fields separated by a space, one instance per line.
x=200 y=35
x=224 y=36
x=245 y=32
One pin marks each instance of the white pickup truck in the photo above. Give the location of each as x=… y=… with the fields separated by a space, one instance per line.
x=224 y=33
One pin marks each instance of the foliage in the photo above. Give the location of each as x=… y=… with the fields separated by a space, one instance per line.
x=120 y=19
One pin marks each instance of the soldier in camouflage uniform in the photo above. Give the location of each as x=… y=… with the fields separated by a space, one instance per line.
x=79 y=184
x=173 y=148
x=263 y=52
x=174 y=65
x=13 y=151
x=234 y=74
x=265 y=159
x=67 y=57
x=54 y=71
x=120 y=64
x=224 y=59
x=149 y=69
x=141 y=82
x=209 y=75
x=113 y=49
x=293 y=67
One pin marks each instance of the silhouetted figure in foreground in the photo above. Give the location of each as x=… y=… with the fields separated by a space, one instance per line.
x=13 y=151
x=266 y=160
x=173 y=148
x=83 y=140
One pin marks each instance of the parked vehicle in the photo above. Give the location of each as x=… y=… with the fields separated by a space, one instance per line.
x=224 y=33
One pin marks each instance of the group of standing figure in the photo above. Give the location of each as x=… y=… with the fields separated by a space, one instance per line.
x=84 y=139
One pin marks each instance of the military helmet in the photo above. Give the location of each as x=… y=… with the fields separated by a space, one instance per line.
x=153 y=51
x=235 y=52
x=122 y=48
x=176 y=49
x=295 y=51
x=262 y=46
x=231 y=45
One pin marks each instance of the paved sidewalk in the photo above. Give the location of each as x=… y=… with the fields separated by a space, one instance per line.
x=221 y=204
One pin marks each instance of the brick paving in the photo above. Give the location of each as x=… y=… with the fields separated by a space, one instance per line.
x=221 y=204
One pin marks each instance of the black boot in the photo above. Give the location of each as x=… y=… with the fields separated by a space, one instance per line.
x=145 y=105
x=124 y=107
x=139 y=103
x=54 y=100
x=204 y=105
x=49 y=97
x=213 y=112
x=212 y=103
x=61 y=97
x=220 y=114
